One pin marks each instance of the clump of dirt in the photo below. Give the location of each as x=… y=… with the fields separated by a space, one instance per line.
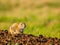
x=25 y=39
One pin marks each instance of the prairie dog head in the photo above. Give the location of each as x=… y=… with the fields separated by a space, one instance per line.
x=21 y=25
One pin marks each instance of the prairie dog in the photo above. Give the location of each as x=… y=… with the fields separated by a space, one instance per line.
x=17 y=28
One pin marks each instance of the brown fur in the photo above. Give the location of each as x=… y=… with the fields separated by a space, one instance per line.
x=15 y=28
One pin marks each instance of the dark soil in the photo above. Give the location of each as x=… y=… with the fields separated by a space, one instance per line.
x=25 y=39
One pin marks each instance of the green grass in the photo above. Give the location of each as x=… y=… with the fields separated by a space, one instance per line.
x=7 y=6
x=33 y=27
x=51 y=4
x=15 y=19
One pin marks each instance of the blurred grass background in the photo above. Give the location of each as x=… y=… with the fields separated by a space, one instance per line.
x=40 y=16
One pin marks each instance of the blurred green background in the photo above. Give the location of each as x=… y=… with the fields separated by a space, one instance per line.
x=40 y=16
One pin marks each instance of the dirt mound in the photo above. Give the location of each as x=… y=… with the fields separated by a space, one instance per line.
x=24 y=39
